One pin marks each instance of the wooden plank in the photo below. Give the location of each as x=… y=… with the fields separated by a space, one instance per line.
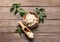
x=15 y=37
x=47 y=29
x=31 y=2
x=41 y=29
x=47 y=22
x=41 y=38
x=4 y=22
x=9 y=37
x=5 y=16
x=48 y=26
x=52 y=12
x=7 y=29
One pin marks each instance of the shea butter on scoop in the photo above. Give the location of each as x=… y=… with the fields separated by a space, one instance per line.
x=30 y=34
x=26 y=30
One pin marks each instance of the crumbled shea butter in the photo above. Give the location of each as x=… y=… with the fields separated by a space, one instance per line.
x=30 y=34
x=30 y=18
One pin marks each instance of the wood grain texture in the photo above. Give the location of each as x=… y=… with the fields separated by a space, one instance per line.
x=47 y=22
x=47 y=32
x=15 y=22
x=42 y=38
x=9 y=37
x=15 y=37
x=48 y=26
x=4 y=22
x=52 y=12
x=31 y=2
x=41 y=29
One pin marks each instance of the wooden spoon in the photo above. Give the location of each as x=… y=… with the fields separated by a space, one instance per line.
x=26 y=30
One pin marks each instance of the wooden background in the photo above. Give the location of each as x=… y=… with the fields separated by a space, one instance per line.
x=47 y=32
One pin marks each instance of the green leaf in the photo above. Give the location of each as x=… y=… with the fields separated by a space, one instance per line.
x=38 y=13
x=41 y=19
x=17 y=6
x=20 y=9
x=19 y=30
x=14 y=4
x=22 y=13
x=16 y=11
x=12 y=9
x=44 y=15
x=36 y=9
x=42 y=10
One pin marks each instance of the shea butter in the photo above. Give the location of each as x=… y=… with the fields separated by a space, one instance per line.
x=30 y=34
x=30 y=19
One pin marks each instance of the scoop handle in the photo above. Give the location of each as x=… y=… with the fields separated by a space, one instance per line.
x=23 y=28
x=21 y=24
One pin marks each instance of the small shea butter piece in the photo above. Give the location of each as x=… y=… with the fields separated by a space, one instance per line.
x=29 y=18
x=30 y=34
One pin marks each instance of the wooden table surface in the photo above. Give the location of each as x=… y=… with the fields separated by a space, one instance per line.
x=47 y=32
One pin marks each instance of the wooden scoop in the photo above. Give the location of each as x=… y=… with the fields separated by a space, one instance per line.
x=26 y=30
